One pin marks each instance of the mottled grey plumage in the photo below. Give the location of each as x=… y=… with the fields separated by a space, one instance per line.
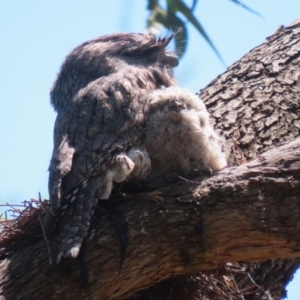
x=179 y=137
x=99 y=129
x=121 y=117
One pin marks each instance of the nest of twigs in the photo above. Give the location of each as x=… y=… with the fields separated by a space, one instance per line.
x=26 y=224
x=203 y=286
x=23 y=224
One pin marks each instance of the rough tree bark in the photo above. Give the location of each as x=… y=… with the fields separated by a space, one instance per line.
x=255 y=104
x=248 y=212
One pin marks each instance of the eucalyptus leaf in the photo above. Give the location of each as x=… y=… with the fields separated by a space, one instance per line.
x=171 y=19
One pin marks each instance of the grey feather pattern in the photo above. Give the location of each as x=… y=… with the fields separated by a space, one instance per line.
x=100 y=117
x=179 y=137
x=121 y=117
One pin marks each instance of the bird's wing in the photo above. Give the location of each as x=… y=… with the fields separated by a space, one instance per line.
x=103 y=121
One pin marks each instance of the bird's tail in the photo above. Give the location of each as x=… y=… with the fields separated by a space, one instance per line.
x=75 y=218
x=78 y=206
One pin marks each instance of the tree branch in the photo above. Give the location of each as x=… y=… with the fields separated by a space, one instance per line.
x=245 y=213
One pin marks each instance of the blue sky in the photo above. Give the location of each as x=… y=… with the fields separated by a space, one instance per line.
x=37 y=35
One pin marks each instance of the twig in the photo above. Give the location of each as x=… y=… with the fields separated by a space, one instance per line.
x=46 y=240
x=187 y=180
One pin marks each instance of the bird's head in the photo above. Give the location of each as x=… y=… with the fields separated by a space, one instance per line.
x=107 y=55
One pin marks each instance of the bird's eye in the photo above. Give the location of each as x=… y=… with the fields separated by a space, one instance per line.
x=139 y=52
x=136 y=53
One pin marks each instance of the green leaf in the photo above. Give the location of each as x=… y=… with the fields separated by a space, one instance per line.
x=156 y=20
x=152 y=4
x=187 y=12
x=246 y=7
x=169 y=19
x=194 y=4
x=178 y=27
x=160 y=17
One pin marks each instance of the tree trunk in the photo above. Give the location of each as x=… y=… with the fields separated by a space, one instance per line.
x=255 y=105
x=248 y=212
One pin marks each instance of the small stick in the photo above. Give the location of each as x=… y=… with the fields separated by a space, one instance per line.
x=46 y=240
